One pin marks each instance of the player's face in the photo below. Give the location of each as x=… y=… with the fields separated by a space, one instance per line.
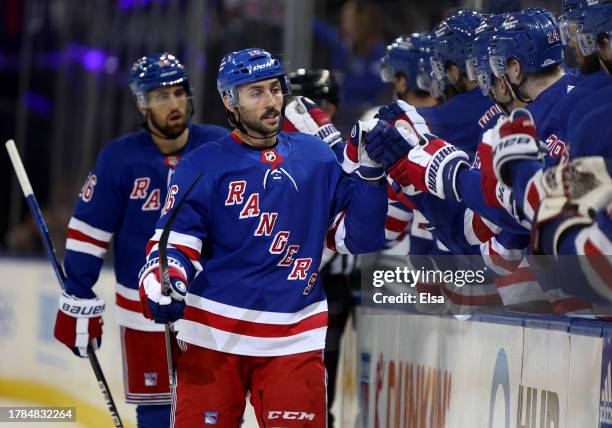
x=168 y=110
x=259 y=106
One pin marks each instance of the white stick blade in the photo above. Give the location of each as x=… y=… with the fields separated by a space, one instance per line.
x=24 y=182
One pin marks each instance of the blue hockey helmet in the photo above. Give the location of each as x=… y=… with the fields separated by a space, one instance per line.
x=531 y=37
x=478 y=49
x=452 y=38
x=155 y=71
x=248 y=66
x=403 y=56
x=572 y=10
x=595 y=21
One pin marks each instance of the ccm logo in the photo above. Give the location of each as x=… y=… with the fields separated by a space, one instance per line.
x=300 y=416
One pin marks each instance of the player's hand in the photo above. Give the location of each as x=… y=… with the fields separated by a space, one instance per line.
x=514 y=139
x=356 y=158
x=303 y=115
x=431 y=166
x=157 y=304
x=388 y=144
x=79 y=323
x=403 y=115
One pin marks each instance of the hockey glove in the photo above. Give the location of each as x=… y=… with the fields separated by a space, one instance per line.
x=389 y=144
x=403 y=115
x=514 y=139
x=79 y=323
x=575 y=193
x=303 y=115
x=432 y=166
x=356 y=158
x=157 y=304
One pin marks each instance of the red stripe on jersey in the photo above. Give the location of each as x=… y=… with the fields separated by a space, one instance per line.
x=523 y=274
x=130 y=305
x=499 y=260
x=395 y=224
x=236 y=138
x=188 y=251
x=599 y=262
x=533 y=197
x=255 y=329
x=480 y=228
x=80 y=236
x=331 y=234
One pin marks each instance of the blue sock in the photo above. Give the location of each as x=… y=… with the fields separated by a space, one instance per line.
x=153 y=416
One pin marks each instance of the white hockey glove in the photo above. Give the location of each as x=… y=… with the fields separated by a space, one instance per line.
x=514 y=138
x=303 y=115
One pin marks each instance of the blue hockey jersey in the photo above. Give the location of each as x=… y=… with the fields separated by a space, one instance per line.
x=554 y=130
x=122 y=198
x=458 y=120
x=250 y=235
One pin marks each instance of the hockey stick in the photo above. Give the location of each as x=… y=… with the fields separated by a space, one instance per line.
x=162 y=247
x=26 y=187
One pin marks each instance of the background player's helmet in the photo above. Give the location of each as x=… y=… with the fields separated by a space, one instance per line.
x=155 y=71
x=248 y=66
x=595 y=21
x=403 y=57
x=318 y=85
x=451 y=40
x=531 y=37
x=478 y=49
x=572 y=10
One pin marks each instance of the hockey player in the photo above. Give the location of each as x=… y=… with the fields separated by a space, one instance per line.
x=122 y=198
x=570 y=206
x=251 y=212
x=591 y=130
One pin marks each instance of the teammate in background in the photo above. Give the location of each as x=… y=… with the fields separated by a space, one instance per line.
x=591 y=129
x=252 y=225
x=457 y=119
x=336 y=270
x=590 y=79
x=122 y=197
x=570 y=206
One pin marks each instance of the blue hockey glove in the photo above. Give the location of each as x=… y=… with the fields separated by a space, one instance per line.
x=157 y=305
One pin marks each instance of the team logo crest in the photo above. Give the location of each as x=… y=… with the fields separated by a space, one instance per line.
x=171 y=161
x=271 y=157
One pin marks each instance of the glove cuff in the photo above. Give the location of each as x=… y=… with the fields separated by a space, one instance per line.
x=81 y=308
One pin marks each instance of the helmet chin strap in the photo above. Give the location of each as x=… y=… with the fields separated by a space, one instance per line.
x=514 y=88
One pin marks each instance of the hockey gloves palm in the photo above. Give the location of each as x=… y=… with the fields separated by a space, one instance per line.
x=514 y=139
x=356 y=158
x=79 y=323
x=156 y=303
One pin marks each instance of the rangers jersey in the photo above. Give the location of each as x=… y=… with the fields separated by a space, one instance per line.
x=250 y=234
x=121 y=200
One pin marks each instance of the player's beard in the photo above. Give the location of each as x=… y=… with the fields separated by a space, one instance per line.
x=171 y=131
x=258 y=125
